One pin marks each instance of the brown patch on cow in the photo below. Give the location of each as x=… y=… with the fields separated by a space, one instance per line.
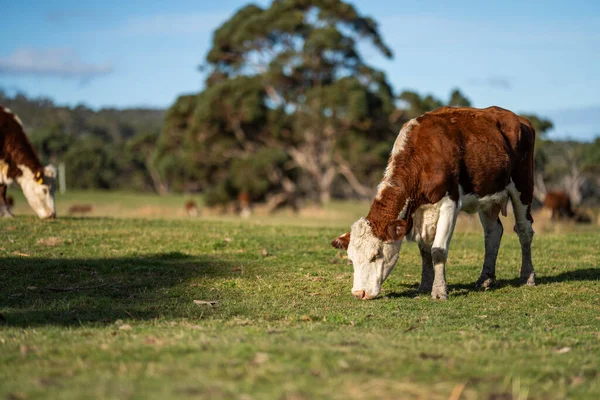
x=385 y=208
x=342 y=241
x=479 y=149
x=397 y=229
x=15 y=148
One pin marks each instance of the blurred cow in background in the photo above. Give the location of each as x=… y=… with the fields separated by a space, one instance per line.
x=244 y=204
x=191 y=208
x=559 y=204
x=80 y=209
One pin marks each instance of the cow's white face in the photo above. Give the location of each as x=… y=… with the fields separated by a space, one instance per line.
x=373 y=259
x=39 y=190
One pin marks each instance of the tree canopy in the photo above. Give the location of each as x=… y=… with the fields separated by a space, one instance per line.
x=290 y=78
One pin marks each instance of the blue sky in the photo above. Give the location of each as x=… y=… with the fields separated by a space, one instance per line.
x=534 y=56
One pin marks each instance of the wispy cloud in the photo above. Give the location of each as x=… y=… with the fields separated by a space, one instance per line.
x=63 y=63
x=496 y=82
x=63 y=16
x=171 y=24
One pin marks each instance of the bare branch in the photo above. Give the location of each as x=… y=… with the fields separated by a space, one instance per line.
x=359 y=188
x=240 y=135
x=273 y=95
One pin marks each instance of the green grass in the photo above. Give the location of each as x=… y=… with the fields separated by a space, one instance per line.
x=104 y=308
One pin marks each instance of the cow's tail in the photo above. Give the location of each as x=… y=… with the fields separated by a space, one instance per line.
x=524 y=171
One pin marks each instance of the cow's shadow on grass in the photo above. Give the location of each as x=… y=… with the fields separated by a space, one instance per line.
x=39 y=291
x=462 y=289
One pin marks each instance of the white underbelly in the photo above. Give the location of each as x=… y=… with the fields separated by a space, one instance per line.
x=472 y=204
x=426 y=217
x=425 y=221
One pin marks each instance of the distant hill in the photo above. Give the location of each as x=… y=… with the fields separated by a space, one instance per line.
x=102 y=149
x=110 y=123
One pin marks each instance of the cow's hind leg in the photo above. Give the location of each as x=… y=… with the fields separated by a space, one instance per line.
x=439 y=251
x=427 y=271
x=523 y=227
x=4 y=209
x=492 y=229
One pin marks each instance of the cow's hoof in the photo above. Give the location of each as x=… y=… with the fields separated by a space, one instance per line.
x=528 y=280
x=485 y=282
x=440 y=293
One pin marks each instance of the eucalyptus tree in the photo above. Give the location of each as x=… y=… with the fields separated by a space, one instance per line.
x=291 y=77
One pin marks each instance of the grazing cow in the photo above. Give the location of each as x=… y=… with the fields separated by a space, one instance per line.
x=191 y=208
x=244 y=201
x=559 y=204
x=442 y=162
x=19 y=163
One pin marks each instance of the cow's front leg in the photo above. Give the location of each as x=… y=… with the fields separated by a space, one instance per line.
x=439 y=251
x=427 y=271
x=4 y=208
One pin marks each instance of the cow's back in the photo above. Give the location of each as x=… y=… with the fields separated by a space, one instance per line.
x=478 y=149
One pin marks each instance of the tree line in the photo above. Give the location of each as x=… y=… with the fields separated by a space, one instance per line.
x=101 y=149
x=291 y=111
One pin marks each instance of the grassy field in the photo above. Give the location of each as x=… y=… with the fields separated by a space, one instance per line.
x=216 y=307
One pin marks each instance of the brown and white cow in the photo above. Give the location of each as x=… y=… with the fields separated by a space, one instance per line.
x=191 y=208
x=559 y=203
x=19 y=163
x=444 y=161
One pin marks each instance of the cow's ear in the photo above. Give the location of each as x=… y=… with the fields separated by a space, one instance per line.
x=341 y=242
x=397 y=229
